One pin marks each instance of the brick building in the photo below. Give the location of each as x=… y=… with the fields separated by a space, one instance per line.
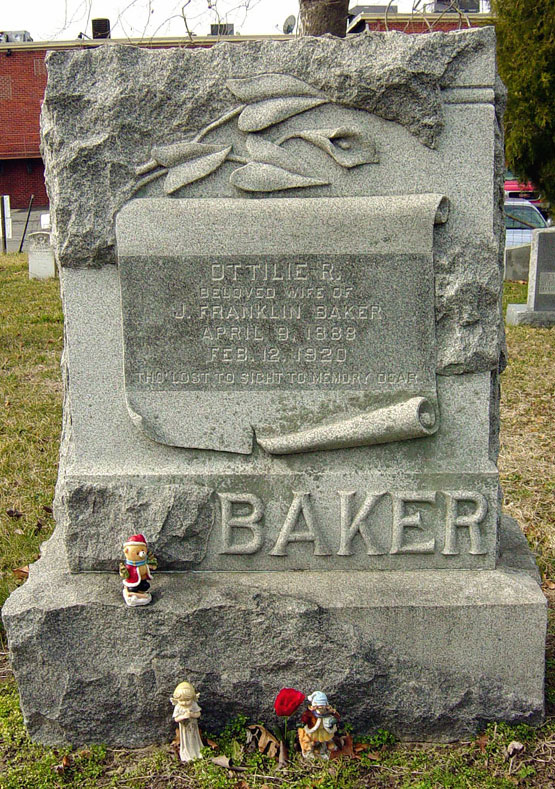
x=22 y=83
x=23 y=80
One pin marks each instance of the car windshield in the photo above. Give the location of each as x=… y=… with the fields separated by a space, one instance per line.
x=523 y=217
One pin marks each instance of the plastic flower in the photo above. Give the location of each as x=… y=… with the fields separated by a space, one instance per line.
x=287 y=701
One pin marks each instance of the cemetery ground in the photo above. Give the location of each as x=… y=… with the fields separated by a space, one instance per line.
x=31 y=332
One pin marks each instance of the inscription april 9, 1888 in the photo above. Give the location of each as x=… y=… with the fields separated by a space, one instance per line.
x=334 y=324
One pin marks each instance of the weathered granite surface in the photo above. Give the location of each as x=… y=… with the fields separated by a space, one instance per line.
x=106 y=459
x=425 y=101
x=427 y=655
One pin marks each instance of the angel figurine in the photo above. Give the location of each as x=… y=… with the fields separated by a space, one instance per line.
x=186 y=713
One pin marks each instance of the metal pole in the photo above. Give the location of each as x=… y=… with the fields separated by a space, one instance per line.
x=3 y=217
x=26 y=223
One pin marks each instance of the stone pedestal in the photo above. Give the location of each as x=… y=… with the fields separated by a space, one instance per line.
x=427 y=655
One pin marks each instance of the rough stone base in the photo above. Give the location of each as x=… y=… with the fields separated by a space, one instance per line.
x=521 y=315
x=425 y=654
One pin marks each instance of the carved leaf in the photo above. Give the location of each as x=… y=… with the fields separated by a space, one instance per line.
x=170 y=155
x=259 y=177
x=266 y=113
x=194 y=170
x=269 y=153
x=347 y=145
x=266 y=86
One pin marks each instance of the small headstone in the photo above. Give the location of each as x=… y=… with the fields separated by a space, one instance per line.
x=539 y=309
x=41 y=256
x=517 y=263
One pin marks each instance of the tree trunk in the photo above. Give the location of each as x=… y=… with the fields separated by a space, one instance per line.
x=318 y=17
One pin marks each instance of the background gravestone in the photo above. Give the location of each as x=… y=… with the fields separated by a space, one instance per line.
x=281 y=272
x=539 y=309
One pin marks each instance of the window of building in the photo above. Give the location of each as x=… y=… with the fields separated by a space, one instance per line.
x=40 y=67
x=5 y=86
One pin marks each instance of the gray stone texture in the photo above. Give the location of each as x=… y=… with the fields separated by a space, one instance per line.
x=432 y=104
x=427 y=655
x=103 y=450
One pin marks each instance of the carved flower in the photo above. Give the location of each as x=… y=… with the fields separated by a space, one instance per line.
x=348 y=146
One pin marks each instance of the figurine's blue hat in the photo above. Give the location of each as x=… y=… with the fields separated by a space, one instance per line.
x=318 y=699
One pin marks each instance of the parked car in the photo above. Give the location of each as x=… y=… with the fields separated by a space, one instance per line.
x=514 y=189
x=521 y=217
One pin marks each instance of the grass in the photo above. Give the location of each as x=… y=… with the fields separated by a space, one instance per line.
x=30 y=345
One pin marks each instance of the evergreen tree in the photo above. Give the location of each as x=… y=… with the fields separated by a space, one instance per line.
x=526 y=53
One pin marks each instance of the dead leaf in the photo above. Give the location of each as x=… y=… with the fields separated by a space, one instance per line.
x=18 y=531
x=345 y=748
x=283 y=758
x=85 y=753
x=481 y=742
x=514 y=747
x=227 y=764
x=549 y=584
x=22 y=573
x=38 y=527
x=221 y=761
x=47 y=509
x=267 y=743
x=14 y=513
x=241 y=785
x=212 y=744
x=63 y=766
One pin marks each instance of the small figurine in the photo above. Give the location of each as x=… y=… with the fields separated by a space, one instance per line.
x=187 y=712
x=135 y=572
x=320 y=725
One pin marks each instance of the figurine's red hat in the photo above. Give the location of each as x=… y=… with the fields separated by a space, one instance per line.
x=136 y=539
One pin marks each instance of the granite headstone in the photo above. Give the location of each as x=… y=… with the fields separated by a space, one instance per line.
x=539 y=309
x=282 y=267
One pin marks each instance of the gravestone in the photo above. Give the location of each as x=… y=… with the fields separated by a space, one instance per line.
x=517 y=263
x=539 y=309
x=41 y=256
x=281 y=274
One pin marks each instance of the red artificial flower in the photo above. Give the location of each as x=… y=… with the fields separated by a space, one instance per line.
x=287 y=701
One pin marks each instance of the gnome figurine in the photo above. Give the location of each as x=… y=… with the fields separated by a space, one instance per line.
x=320 y=725
x=135 y=572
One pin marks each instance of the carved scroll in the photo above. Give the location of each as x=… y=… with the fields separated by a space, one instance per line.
x=414 y=418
